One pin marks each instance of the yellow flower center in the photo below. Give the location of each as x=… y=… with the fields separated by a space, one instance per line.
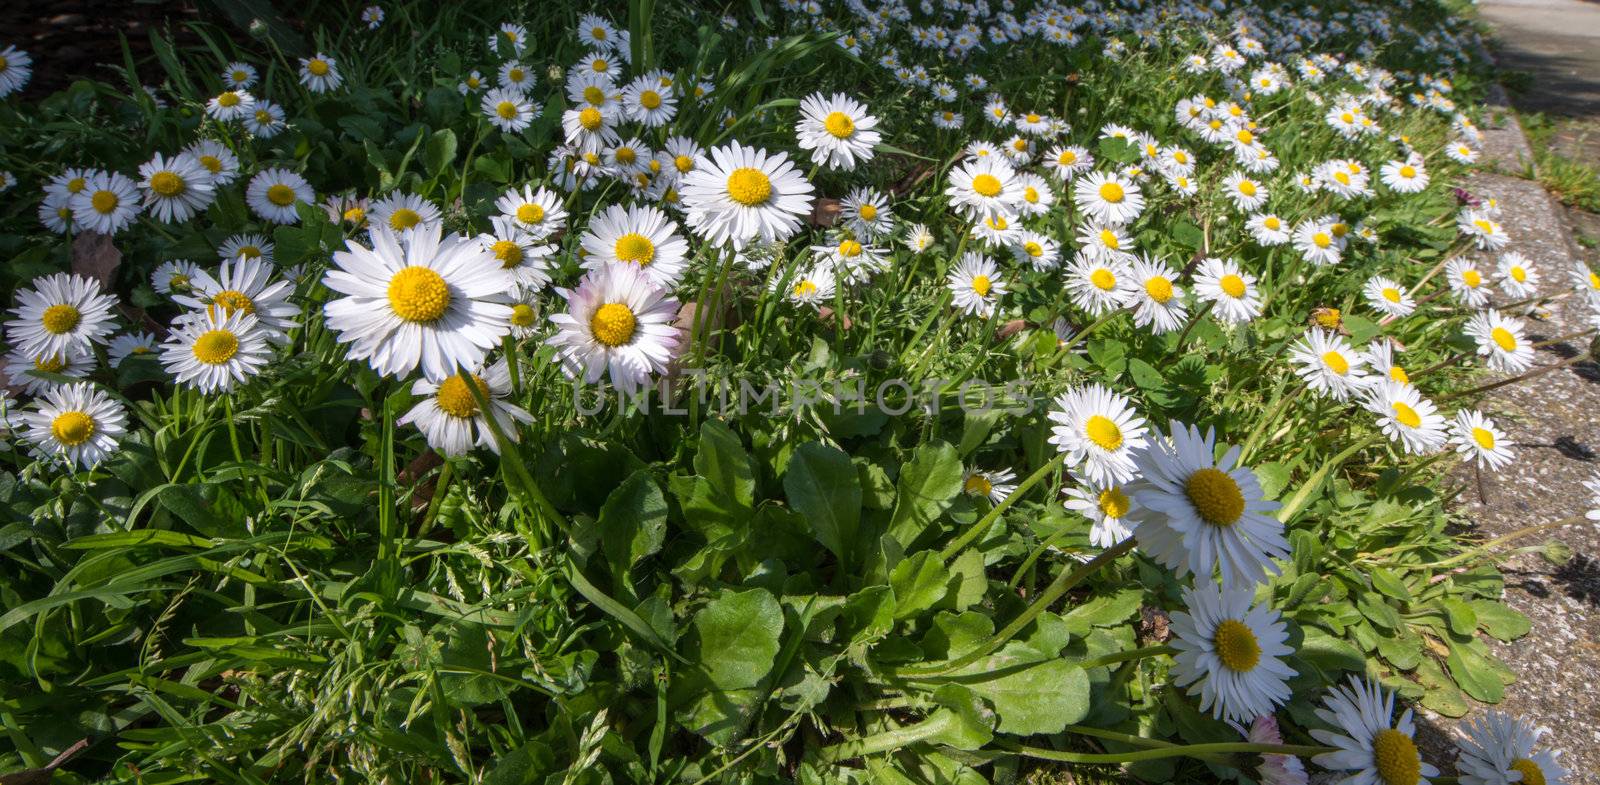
x=805 y=289
x=613 y=324
x=455 y=398
x=1518 y=274
x=233 y=301
x=522 y=315
x=104 y=201
x=981 y=285
x=1391 y=294
x=998 y=223
x=1108 y=238
x=60 y=318
x=1272 y=223
x=600 y=66
x=1531 y=773
x=1236 y=646
x=1033 y=118
x=1247 y=188
x=839 y=125
x=178 y=281
x=72 y=428
x=1067 y=158
x=249 y=252
x=590 y=118
x=1485 y=439
x=228 y=99
x=1398 y=374
x=1405 y=415
x=849 y=249
x=1321 y=239
x=1113 y=503
x=1503 y=339
x=594 y=95
x=1594 y=281
x=650 y=99
x=1232 y=285
x=530 y=213
x=749 y=186
x=77 y=184
x=1103 y=432
x=281 y=195
x=1159 y=289
x=240 y=76
x=1112 y=192
x=867 y=212
x=626 y=155
x=986 y=185
x=212 y=164
x=1396 y=757
x=516 y=75
x=318 y=67
x=215 y=347
x=51 y=364
x=263 y=117
x=1215 y=496
x=355 y=215
x=1408 y=172
x=1336 y=363
x=1339 y=229
x=1033 y=249
x=1103 y=279
x=506 y=110
x=598 y=33
x=418 y=294
x=166 y=184
x=508 y=252
x=683 y=163
x=636 y=248
x=1472 y=278
x=1245 y=137
x=1343 y=178
x=1020 y=145
x=404 y=218
x=978 y=485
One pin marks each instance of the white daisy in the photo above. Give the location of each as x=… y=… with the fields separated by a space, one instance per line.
x=1037 y=198
x=541 y=212
x=837 y=130
x=1381 y=361
x=418 y=300
x=1268 y=230
x=508 y=109
x=618 y=323
x=992 y=485
x=1246 y=193
x=1369 y=747
x=1467 y=283
x=1517 y=276
x=518 y=252
x=1068 y=162
x=1205 y=515
x=248 y=246
x=107 y=204
x=1477 y=439
x=984 y=187
x=1498 y=749
x=1405 y=177
x=75 y=424
x=450 y=418
x=174 y=276
x=217 y=159
x=215 y=351
x=1230 y=653
x=1387 y=297
x=1097 y=286
x=273 y=192
x=866 y=213
x=401 y=213
x=1501 y=341
x=1037 y=250
x=1108 y=198
x=129 y=345
x=811 y=286
x=1406 y=417
x=1157 y=301
x=590 y=129
x=1112 y=513
x=1328 y=365
x=1317 y=243
x=266 y=121
x=743 y=194
x=240 y=76
x=649 y=104
x=1231 y=291
x=1486 y=232
x=245 y=285
x=1098 y=429
x=637 y=235
x=975 y=285
x=60 y=312
x=21 y=368
x=1105 y=242
x=175 y=187
x=320 y=73
x=16 y=67
x=231 y=105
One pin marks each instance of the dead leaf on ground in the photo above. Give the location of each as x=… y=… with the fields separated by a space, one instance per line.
x=95 y=256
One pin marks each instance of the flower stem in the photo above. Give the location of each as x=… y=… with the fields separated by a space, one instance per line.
x=1126 y=656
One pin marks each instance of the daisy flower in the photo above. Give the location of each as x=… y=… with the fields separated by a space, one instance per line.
x=984 y=187
x=589 y=128
x=449 y=416
x=1098 y=429
x=1498 y=749
x=1230 y=653
x=637 y=235
x=1068 y=162
x=1406 y=417
x=619 y=324
x=175 y=188
x=866 y=213
x=240 y=76
x=1246 y=194
x=918 y=238
x=975 y=285
x=1108 y=198
x=1369 y=747
x=1405 y=177
x=1517 y=276
x=811 y=286
x=1205 y=515
x=996 y=230
x=507 y=109
x=744 y=194
x=1586 y=282
x=266 y=121
x=518 y=252
x=992 y=485
x=273 y=192
x=1500 y=341
x=1477 y=439
x=55 y=213
x=21 y=368
x=471 y=84
x=595 y=32
x=1112 y=513
x=249 y=246
x=837 y=130
x=1231 y=291
x=853 y=260
x=320 y=73
x=1461 y=152
x=1096 y=285
x=215 y=351
x=245 y=285
x=1037 y=250
x=1487 y=233
x=60 y=312
x=1157 y=302
x=15 y=69
x=647 y=104
x=404 y=212
x=1267 y=229
x=1328 y=365
x=512 y=35
x=418 y=299
x=129 y=345
x=1036 y=194
x=1381 y=361
x=217 y=159
x=372 y=15
x=174 y=276
x=541 y=212
x=107 y=203
x=75 y=424
x=1109 y=243
x=231 y=105
x=1387 y=297
x=1316 y=242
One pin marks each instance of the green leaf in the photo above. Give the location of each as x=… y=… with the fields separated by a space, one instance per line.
x=963 y=723
x=1331 y=654
x=972 y=583
x=1390 y=584
x=1474 y=673
x=1119 y=150
x=633 y=522
x=1188 y=235
x=1105 y=610
x=1030 y=695
x=441 y=152
x=820 y=483
x=723 y=462
x=919 y=583
x=1459 y=615
x=929 y=482
x=525 y=765
x=1499 y=621
x=739 y=637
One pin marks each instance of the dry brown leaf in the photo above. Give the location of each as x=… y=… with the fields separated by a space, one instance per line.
x=95 y=256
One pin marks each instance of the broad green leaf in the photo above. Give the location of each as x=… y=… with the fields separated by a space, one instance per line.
x=738 y=638
x=1390 y=584
x=1104 y=610
x=928 y=483
x=1474 y=673
x=1459 y=615
x=963 y=723
x=633 y=522
x=724 y=464
x=820 y=483
x=919 y=583
x=1499 y=620
x=972 y=583
x=440 y=155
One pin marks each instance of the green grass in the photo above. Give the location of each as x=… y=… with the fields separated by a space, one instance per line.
x=1575 y=182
